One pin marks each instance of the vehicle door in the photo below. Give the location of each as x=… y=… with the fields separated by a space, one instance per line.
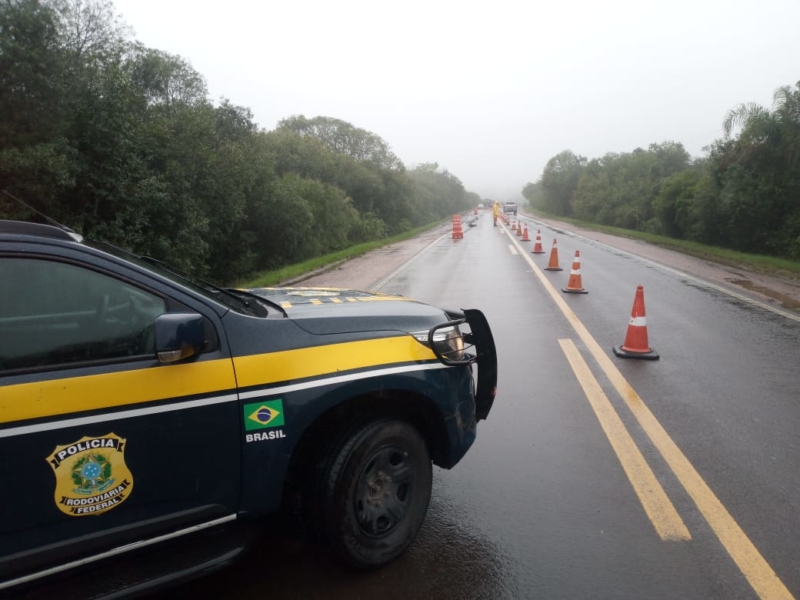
x=101 y=444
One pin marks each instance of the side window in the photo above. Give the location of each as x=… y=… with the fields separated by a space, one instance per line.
x=54 y=313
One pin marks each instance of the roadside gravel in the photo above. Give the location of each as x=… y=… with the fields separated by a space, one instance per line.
x=369 y=271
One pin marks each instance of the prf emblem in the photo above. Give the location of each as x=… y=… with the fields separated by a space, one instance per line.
x=91 y=475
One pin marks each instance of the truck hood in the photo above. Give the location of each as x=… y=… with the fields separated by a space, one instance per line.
x=334 y=310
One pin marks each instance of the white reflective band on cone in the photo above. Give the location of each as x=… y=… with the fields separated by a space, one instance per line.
x=638 y=321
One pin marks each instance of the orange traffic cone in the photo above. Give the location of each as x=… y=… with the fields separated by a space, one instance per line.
x=458 y=232
x=537 y=246
x=636 y=345
x=519 y=228
x=525 y=237
x=574 y=285
x=553 y=264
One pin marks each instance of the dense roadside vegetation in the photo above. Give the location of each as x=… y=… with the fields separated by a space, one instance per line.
x=122 y=143
x=744 y=195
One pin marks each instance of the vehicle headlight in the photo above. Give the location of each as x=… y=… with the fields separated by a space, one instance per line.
x=446 y=341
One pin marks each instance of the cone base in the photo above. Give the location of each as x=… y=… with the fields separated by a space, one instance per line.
x=569 y=291
x=622 y=353
x=553 y=269
x=538 y=252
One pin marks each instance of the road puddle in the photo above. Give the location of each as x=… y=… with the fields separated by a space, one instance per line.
x=786 y=301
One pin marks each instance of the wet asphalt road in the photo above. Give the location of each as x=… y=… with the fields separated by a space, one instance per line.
x=541 y=506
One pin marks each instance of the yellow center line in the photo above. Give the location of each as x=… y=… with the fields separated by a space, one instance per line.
x=662 y=513
x=743 y=552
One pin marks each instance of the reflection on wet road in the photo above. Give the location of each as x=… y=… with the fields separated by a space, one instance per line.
x=450 y=559
x=544 y=504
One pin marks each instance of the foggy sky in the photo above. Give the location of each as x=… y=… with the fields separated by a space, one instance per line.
x=488 y=90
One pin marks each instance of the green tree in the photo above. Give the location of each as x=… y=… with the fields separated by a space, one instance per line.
x=121 y=142
x=675 y=204
x=441 y=193
x=344 y=138
x=778 y=128
x=560 y=180
x=594 y=196
x=534 y=194
x=35 y=155
x=164 y=79
x=758 y=175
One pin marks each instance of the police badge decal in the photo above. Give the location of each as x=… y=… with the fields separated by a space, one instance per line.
x=91 y=475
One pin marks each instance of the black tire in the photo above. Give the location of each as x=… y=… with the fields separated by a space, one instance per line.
x=377 y=490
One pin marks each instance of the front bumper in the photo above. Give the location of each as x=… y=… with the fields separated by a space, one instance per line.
x=481 y=338
x=478 y=349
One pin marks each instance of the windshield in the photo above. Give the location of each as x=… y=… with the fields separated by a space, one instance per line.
x=195 y=284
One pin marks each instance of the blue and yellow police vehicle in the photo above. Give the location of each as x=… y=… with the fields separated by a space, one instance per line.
x=151 y=418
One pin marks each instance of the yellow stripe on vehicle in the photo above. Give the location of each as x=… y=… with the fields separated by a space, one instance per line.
x=261 y=369
x=25 y=401
x=383 y=298
x=108 y=390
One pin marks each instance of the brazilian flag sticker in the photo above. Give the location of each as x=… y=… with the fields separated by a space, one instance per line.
x=261 y=415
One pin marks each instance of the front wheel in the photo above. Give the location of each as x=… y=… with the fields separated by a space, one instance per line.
x=377 y=493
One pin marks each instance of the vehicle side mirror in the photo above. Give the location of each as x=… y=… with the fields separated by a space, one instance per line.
x=179 y=336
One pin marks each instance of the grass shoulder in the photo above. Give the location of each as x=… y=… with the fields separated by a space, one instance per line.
x=755 y=262
x=321 y=264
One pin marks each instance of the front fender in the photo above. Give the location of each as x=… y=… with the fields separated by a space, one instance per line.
x=266 y=459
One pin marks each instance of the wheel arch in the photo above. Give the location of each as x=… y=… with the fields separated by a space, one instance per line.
x=330 y=427
x=339 y=420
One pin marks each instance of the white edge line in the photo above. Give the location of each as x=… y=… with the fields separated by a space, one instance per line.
x=115 y=416
x=115 y=551
x=340 y=379
x=382 y=282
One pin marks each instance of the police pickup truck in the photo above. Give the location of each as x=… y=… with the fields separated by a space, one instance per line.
x=154 y=420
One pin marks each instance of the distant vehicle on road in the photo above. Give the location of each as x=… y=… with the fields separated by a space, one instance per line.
x=510 y=208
